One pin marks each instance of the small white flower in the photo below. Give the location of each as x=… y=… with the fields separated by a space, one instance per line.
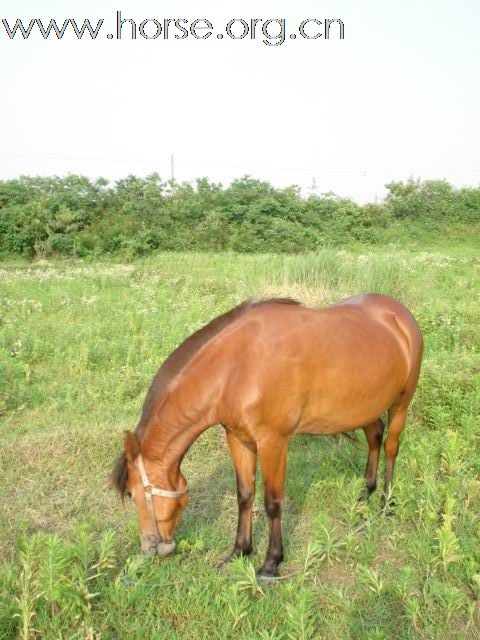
x=16 y=348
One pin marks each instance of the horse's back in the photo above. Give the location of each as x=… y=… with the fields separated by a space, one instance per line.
x=364 y=320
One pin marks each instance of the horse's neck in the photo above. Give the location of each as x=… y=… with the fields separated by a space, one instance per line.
x=184 y=413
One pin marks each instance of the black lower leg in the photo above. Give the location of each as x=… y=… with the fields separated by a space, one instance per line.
x=374 y=434
x=396 y=423
x=245 y=462
x=386 y=497
x=273 y=507
x=243 y=540
x=391 y=451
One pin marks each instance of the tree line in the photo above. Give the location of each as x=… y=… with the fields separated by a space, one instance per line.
x=77 y=216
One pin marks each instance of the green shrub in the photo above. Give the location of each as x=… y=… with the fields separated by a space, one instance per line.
x=136 y=216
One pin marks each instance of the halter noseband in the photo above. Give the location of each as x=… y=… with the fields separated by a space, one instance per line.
x=150 y=491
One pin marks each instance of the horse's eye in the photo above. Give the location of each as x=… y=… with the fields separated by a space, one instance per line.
x=129 y=494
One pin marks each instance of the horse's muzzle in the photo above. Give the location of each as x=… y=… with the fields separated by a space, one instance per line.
x=165 y=548
x=151 y=546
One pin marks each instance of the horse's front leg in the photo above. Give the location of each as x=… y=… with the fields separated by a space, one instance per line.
x=273 y=460
x=245 y=463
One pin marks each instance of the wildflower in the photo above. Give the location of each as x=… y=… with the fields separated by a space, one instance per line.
x=15 y=350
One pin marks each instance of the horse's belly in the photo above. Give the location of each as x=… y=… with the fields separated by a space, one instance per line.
x=335 y=409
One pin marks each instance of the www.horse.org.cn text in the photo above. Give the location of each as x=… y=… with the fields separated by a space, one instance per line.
x=272 y=32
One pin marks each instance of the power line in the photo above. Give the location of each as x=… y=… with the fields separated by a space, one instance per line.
x=312 y=170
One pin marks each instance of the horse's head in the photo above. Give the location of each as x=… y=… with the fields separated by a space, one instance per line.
x=159 y=509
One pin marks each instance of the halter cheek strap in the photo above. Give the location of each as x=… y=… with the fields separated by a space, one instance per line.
x=150 y=491
x=155 y=491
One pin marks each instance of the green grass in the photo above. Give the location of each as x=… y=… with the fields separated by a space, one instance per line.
x=79 y=343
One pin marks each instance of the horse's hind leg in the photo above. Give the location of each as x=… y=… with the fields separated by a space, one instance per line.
x=245 y=462
x=397 y=416
x=374 y=435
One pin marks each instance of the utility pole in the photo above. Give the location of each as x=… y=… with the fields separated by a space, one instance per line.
x=172 y=169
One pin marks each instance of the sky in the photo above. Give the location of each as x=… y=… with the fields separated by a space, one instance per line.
x=399 y=96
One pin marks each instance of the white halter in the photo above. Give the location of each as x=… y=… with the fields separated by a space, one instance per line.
x=150 y=491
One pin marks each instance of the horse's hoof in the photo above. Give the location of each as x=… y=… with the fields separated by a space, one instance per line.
x=266 y=576
x=222 y=566
x=231 y=556
x=388 y=507
x=266 y=580
x=366 y=493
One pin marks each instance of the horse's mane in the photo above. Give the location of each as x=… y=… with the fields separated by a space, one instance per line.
x=175 y=362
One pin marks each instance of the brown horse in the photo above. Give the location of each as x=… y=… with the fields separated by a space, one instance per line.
x=266 y=371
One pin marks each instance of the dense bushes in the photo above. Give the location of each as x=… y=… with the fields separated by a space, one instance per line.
x=76 y=216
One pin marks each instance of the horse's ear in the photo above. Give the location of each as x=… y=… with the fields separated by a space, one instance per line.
x=131 y=446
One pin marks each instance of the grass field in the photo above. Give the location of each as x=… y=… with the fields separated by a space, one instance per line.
x=79 y=343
